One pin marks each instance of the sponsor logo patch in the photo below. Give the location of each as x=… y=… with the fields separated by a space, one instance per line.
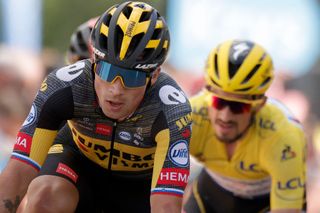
x=287 y=153
x=171 y=96
x=70 y=72
x=23 y=143
x=173 y=176
x=184 y=121
x=103 y=129
x=179 y=153
x=125 y=136
x=57 y=148
x=44 y=85
x=291 y=184
x=146 y=66
x=67 y=171
x=31 y=116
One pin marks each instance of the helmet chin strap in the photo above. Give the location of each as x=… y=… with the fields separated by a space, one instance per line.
x=242 y=133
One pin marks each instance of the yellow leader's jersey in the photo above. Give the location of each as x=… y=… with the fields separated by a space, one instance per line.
x=270 y=157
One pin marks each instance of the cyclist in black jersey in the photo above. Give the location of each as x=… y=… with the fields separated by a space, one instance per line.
x=125 y=146
x=80 y=44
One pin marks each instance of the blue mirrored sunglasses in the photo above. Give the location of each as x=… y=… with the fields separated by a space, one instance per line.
x=130 y=78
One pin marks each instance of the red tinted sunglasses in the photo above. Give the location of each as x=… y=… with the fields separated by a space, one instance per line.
x=234 y=106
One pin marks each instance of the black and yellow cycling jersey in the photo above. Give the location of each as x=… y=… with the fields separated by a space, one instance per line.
x=153 y=141
x=269 y=158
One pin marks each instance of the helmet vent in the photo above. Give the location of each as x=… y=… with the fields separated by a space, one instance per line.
x=71 y=48
x=265 y=82
x=243 y=89
x=108 y=19
x=216 y=65
x=233 y=69
x=249 y=76
x=156 y=34
x=103 y=41
x=82 y=43
x=127 y=12
x=145 y=16
x=161 y=54
x=118 y=38
x=145 y=54
x=134 y=43
x=213 y=81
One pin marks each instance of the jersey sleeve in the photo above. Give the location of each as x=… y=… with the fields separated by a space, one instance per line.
x=172 y=134
x=52 y=105
x=285 y=161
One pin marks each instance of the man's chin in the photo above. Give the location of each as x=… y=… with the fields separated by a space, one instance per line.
x=226 y=140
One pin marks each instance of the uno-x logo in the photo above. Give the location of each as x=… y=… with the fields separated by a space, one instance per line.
x=171 y=96
x=70 y=72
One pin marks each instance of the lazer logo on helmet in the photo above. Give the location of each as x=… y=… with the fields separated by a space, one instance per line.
x=98 y=52
x=146 y=66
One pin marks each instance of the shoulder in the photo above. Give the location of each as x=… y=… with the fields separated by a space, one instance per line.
x=277 y=113
x=170 y=93
x=199 y=104
x=278 y=125
x=71 y=74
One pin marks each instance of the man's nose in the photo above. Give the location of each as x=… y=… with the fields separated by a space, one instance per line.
x=117 y=85
x=226 y=113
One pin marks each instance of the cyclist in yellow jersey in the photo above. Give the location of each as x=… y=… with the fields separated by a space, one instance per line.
x=126 y=139
x=251 y=148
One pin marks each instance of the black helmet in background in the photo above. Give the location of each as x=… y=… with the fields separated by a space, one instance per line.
x=80 y=44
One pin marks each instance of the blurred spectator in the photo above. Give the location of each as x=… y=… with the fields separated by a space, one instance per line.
x=27 y=65
x=20 y=75
x=51 y=60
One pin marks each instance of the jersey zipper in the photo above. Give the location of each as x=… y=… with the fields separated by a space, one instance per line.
x=112 y=145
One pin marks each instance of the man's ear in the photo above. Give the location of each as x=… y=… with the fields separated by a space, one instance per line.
x=155 y=75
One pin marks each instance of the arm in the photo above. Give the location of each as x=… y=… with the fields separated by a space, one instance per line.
x=286 y=166
x=14 y=181
x=165 y=203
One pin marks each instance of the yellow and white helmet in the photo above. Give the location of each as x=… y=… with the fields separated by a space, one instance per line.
x=239 y=70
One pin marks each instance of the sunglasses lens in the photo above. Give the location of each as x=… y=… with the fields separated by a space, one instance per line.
x=235 y=107
x=131 y=78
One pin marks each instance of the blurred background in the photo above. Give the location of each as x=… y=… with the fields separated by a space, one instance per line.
x=35 y=34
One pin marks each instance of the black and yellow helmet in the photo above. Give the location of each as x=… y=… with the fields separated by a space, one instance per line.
x=240 y=69
x=131 y=35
